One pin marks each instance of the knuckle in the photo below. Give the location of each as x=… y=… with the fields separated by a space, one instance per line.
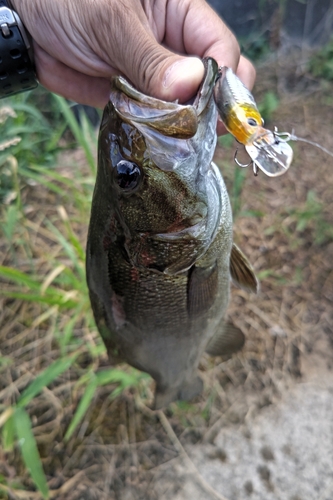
x=149 y=61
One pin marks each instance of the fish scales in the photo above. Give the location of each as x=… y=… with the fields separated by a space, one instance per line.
x=160 y=238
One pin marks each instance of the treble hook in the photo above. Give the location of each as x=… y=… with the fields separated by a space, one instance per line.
x=243 y=165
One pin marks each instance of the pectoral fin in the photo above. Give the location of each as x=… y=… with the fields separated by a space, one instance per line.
x=241 y=271
x=227 y=340
x=201 y=289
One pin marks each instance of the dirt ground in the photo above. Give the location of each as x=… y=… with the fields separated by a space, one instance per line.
x=262 y=429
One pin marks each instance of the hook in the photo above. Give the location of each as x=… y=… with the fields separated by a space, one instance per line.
x=238 y=162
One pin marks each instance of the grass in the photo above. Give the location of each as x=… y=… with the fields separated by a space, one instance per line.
x=49 y=276
x=310 y=216
x=234 y=176
x=321 y=63
x=32 y=138
x=308 y=219
x=268 y=105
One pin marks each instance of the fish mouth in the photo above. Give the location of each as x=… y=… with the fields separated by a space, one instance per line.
x=178 y=137
x=168 y=118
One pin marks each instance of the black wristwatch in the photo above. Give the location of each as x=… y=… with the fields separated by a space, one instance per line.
x=17 y=70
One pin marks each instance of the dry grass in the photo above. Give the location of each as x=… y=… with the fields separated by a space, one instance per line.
x=118 y=449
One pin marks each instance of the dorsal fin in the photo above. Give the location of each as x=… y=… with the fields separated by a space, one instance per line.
x=241 y=271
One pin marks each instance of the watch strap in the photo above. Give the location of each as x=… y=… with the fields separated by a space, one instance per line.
x=17 y=71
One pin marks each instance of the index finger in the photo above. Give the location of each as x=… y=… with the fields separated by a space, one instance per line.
x=196 y=29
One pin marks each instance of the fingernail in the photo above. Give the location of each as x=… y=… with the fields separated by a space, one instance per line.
x=188 y=68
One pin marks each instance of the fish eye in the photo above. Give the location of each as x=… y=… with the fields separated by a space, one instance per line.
x=252 y=122
x=127 y=175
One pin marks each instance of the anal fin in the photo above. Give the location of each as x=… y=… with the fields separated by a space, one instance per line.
x=227 y=340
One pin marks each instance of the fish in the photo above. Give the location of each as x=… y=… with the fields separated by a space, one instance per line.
x=269 y=151
x=160 y=251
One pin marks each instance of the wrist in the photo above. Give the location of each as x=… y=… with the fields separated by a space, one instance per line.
x=17 y=73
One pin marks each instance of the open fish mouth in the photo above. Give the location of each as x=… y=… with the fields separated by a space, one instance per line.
x=169 y=118
x=173 y=132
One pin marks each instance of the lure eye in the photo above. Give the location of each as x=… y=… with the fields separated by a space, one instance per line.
x=252 y=122
x=128 y=175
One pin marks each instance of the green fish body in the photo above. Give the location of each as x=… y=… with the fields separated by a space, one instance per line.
x=160 y=238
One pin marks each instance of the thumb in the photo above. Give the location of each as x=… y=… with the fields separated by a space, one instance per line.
x=160 y=73
x=181 y=79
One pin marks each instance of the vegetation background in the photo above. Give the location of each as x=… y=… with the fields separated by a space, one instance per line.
x=71 y=426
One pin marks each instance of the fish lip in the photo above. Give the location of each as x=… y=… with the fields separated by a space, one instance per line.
x=205 y=92
x=178 y=137
x=169 y=119
x=198 y=102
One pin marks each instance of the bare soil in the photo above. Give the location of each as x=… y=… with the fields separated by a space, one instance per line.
x=263 y=427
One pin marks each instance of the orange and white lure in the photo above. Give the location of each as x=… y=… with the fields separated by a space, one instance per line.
x=237 y=108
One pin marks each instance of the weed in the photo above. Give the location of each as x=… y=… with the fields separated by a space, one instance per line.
x=268 y=105
x=307 y=220
x=226 y=141
x=235 y=179
x=321 y=63
x=48 y=275
x=256 y=47
x=312 y=216
x=93 y=381
x=27 y=136
x=236 y=191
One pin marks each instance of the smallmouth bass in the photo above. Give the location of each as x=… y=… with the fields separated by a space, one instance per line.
x=160 y=251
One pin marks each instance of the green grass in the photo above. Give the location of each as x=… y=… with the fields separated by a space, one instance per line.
x=321 y=63
x=256 y=47
x=44 y=267
x=30 y=136
x=310 y=216
x=268 y=105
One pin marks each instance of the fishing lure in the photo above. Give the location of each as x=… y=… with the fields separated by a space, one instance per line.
x=269 y=151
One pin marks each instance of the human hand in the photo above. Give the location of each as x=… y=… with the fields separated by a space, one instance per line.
x=80 y=45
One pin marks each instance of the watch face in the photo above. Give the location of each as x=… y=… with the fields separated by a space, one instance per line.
x=17 y=72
